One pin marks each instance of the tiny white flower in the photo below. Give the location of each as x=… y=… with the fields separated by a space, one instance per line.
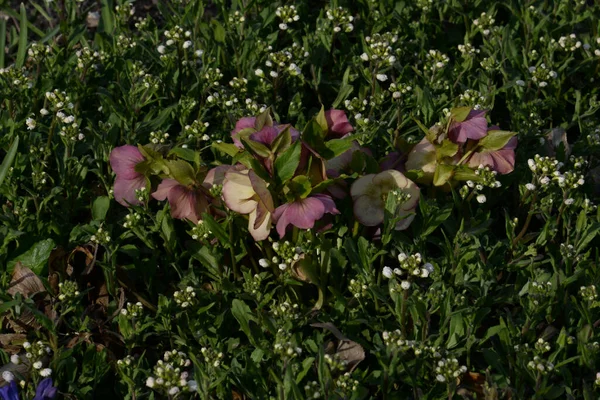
x=282 y=266
x=187 y=44
x=150 y=382
x=192 y=386
x=37 y=365
x=520 y=82
x=569 y=201
x=440 y=378
x=364 y=57
x=387 y=272
x=382 y=77
x=30 y=122
x=273 y=74
x=530 y=186
x=481 y=199
x=283 y=26
x=263 y=263
x=8 y=376
x=15 y=359
x=46 y=372
x=405 y=285
x=174 y=390
x=259 y=72
x=161 y=49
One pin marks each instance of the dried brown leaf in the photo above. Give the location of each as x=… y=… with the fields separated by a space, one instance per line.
x=25 y=281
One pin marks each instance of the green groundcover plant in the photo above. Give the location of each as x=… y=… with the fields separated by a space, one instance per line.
x=265 y=200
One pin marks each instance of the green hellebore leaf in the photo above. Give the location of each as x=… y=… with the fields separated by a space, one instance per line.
x=443 y=173
x=227 y=148
x=447 y=149
x=181 y=171
x=287 y=163
x=100 y=208
x=264 y=119
x=36 y=258
x=495 y=140
x=186 y=154
x=299 y=187
x=465 y=173
x=282 y=142
x=322 y=121
x=256 y=147
x=338 y=146
x=459 y=114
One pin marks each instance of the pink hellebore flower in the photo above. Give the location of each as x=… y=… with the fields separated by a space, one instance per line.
x=422 y=158
x=186 y=202
x=370 y=193
x=473 y=127
x=244 y=192
x=123 y=160
x=501 y=161
x=338 y=123
x=304 y=213
x=265 y=136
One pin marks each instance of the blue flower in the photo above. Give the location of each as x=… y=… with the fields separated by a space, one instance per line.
x=44 y=391
x=10 y=391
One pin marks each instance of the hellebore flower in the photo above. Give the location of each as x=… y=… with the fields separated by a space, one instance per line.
x=422 y=158
x=186 y=202
x=501 y=161
x=338 y=123
x=45 y=390
x=10 y=391
x=244 y=192
x=370 y=195
x=303 y=213
x=266 y=135
x=123 y=160
x=473 y=127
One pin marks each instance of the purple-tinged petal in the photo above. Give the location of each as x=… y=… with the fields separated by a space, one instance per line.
x=501 y=161
x=216 y=176
x=123 y=160
x=45 y=390
x=260 y=188
x=124 y=190
x=260 y=232
x=302 y=214
x=238 y=194
x=243 y=123
x=338 y=123
x=474 y=127
x=328 y=203
x=10 y=391
x=294 y=133
x=265 y=136
x=163 y=189
x=186 y=203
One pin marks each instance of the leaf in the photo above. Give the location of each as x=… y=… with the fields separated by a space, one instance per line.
x=181 y=171
x=100 y=208
x=2 y=41
x=22 y=50
x=447 y=149
x=459 y=114
x=107 y=18
x=495 y=140
x=256 y=147
x=321 y=120
x=263 y=119
x=443 y=173
x=243 y=314
x=227 y=148
x=8 y=160
x=282 y=142
x=219 y=31
x=216 y=229
x=187 y=154
x=287 y=163
x=339 y=146
x=24 y=281
x=35 y=258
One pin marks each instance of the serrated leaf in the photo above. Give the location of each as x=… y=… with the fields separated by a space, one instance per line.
x=227 y=148
x=287 y=163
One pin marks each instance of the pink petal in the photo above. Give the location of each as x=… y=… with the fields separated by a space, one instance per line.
x=163 y=189
x=260 y=188
x=338 y=123
x=265 y=136
x=123 y=160
x=504 y=161
x=260 y=232
x=328 y=203
x=294 y=133
x=124 y=190
x=238 y=194
x=302 y=214
x=243 y=123
x=186 y=203
x=474 y=127
x=216 y=176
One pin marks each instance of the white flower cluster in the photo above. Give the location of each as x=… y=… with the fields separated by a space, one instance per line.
x=35 y=354
x=212 y=357
x=540 y=365
x=487 y=178
x=131 y=220
x=394 y=341
x=201 y=230
x=541 y=74
x=468 y=49
x=588 y=293
x=236 y=18
x=87 y=58
x=346 y=384
x=101 y=237
x=124 y=43
x=380 y=49
x=425 y=5
x=412 y=265
x=448 y=369
x=158 y=137
x=358 y=287
x=288 y=15
x=281 y=62
x=284 y=346
x=341 y=19
x=436 y=60
x=313 y=390
x=16 y=78
x=539 y=291
x=38 y=51
x=473 y=98
x=185 y=298
x=197 y=129
x=286 y=310
x=542 y=346
x=544 y=169
x=399 y=90
x=286 y=254
x=485 y=23
x=176 y=38
x=171 y=376
x=132 y=310
x=68 y=291
x=568 y=43
x=254 y=107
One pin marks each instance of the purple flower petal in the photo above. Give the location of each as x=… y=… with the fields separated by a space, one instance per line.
x=265 y=136
x=501 y=161
x=124 y=190
x=338 y=123
x=474 y=127
x=186 y=203
x=123 y=160
x=302 y=214
x=10 y=391
x=45 y=390
x=163 y=189
x=328 y=203
x=243 y=123
x=294 y=133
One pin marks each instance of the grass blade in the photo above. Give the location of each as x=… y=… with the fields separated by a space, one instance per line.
x=8 y=160
x=22 y=38
x=2 y=41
